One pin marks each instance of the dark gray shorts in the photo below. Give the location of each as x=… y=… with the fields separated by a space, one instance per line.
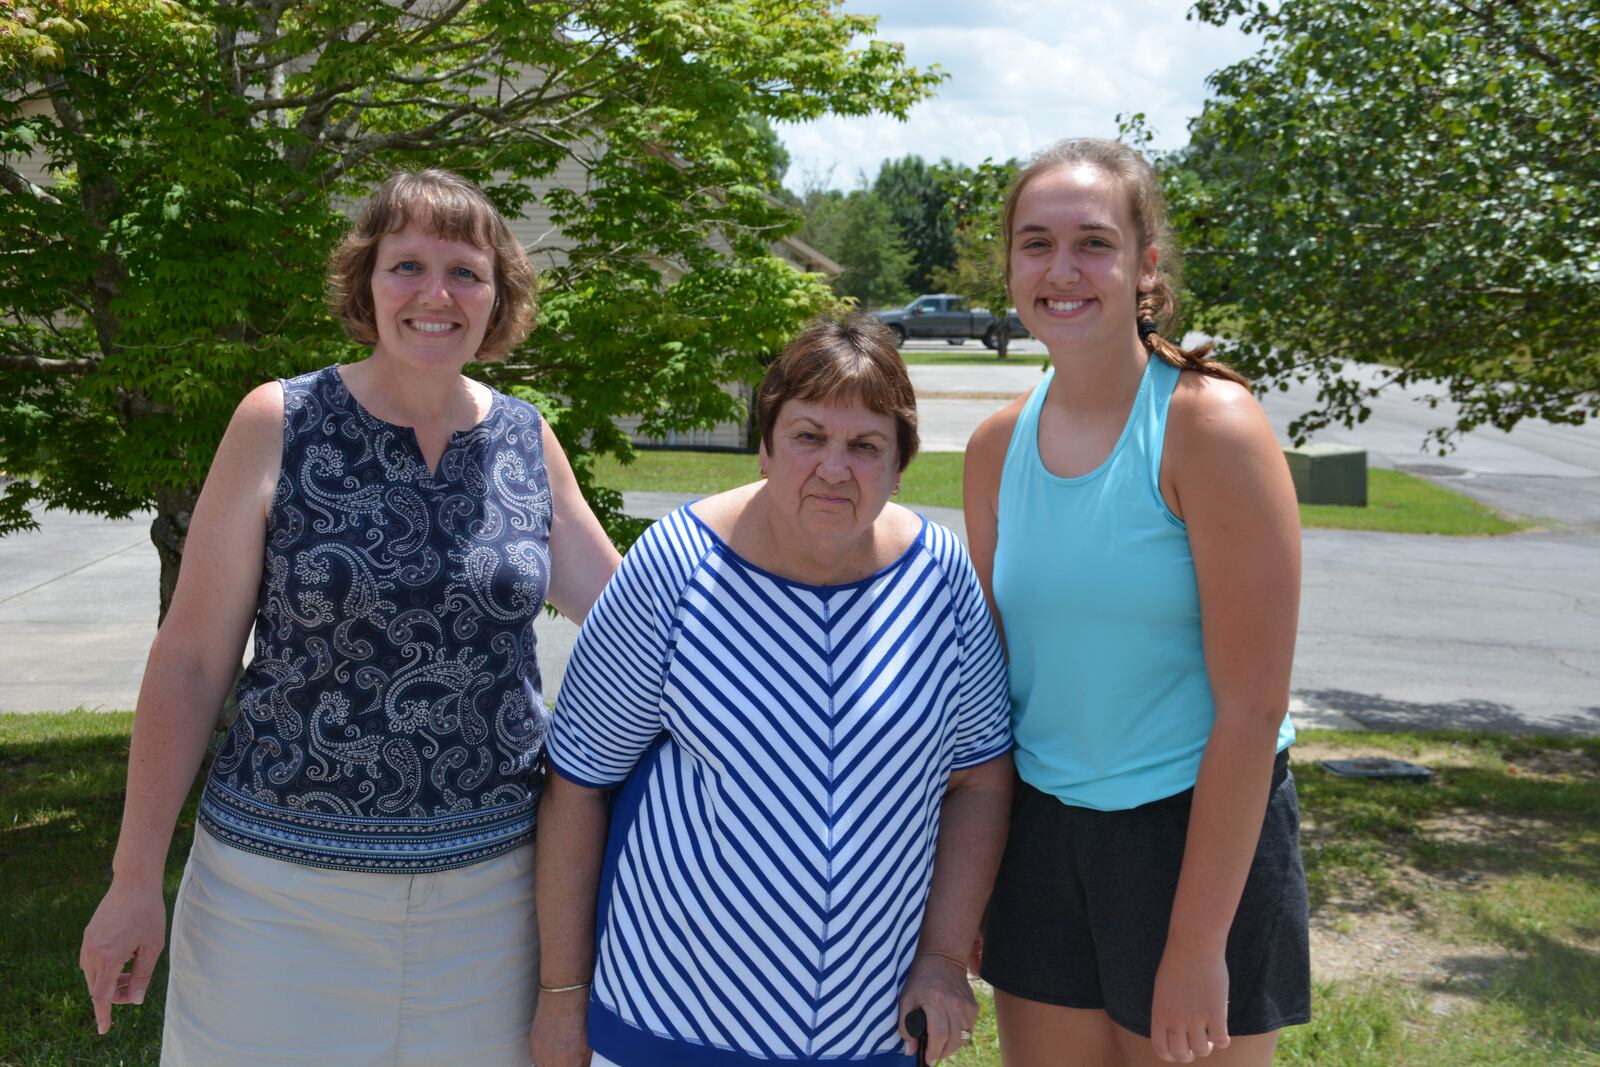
x=1080 y=910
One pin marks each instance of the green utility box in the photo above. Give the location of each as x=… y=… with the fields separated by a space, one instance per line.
x=1329 y=474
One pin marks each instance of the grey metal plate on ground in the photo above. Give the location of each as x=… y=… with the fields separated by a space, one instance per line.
x=1377 y=768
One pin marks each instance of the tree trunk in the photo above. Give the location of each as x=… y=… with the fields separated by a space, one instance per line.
x=1002 y=329
x=170 y=531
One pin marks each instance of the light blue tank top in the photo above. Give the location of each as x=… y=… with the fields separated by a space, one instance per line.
x=1110 y=701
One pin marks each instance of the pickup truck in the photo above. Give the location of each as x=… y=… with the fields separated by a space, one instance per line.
x=946 y=316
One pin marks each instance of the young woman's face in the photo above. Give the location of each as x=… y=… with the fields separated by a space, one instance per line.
x=1076 y=265
x=832 y=467
x=432 y=297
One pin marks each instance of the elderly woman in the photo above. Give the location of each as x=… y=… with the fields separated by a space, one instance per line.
x=361 y=888
x=801 y=686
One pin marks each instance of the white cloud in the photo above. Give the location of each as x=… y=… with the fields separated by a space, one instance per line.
x=1024 y=73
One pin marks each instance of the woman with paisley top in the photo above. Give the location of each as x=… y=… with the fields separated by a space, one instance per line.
x=361 y=890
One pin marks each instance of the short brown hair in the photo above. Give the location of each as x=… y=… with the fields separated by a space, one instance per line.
x=454 y=209
x=836 y=360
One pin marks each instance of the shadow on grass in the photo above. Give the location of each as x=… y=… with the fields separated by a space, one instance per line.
x=1550 y=986
x=1468 y=713
x=1363 y=837
x=59 y=817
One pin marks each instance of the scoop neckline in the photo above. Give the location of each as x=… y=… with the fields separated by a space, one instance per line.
x=1122 y=437
x=728 y=550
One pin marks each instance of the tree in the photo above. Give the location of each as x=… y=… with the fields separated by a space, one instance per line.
x=200 y=154
x=975 y=201
x=856 y=229
x=876 y=261
x=916 y=196
x=1413 y=182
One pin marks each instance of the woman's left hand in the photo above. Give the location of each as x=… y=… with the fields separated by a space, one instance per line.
x=1189 y=1015
x=939 y=987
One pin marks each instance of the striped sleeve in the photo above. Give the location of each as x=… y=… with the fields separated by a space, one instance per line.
x=609 y=709
x=984 y=716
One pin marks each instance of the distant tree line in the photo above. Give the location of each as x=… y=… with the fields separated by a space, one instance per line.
x=898 y=235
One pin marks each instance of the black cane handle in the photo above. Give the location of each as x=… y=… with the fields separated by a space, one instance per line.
x=917 y=1027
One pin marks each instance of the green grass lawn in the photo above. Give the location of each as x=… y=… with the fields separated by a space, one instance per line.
x=59 y=813
x=933 y=479
x=1396 y=502
x=971 y=354
x=1496 y=860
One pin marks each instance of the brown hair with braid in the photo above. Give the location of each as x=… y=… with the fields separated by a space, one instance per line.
x=1158 y=305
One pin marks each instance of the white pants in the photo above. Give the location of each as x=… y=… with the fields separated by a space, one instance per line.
x=275 y=962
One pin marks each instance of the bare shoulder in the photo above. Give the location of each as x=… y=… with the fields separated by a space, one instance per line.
x=1222 y=458
x=986 y=449
x=1211 y=414
x=252 y=448
x=261 y=410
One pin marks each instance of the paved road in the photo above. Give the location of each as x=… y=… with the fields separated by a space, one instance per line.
x=1500 y=633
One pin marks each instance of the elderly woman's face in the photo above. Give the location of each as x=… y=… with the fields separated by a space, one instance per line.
x=831 y=466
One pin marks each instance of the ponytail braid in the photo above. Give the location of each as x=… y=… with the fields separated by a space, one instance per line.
x=1158 y=311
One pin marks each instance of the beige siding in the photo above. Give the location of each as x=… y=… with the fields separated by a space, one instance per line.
x=536 y=229
x=723 y=435
x=31 y=166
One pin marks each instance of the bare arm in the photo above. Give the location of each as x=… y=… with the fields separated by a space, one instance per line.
x=193 y=660
x=572 y=837
x=582 y=558
x=1230 y=480
x=972 y=836
x=980 y=491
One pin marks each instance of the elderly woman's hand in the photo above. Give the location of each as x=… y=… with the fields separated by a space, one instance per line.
x=561 y=1030
x=938 y=985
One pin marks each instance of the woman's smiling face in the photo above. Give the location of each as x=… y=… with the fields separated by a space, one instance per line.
x=1076 y=267
x=432 y=298
x=831 y=467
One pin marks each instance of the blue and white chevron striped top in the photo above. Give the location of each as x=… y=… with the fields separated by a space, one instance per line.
x=770 y=857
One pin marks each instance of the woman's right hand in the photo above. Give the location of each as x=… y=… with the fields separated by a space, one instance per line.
x=129 y=924
x=561 y=1029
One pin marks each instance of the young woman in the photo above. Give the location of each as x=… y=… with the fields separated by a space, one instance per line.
x=361 y=888
x=1134 y=524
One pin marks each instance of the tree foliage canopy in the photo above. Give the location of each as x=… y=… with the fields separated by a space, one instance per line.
x=200 y=156
x=857 y=229
x=974 y=203
x=1415 y=182
x=915 y=194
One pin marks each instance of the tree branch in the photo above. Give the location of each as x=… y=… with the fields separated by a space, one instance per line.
x=43 y=365
x=17 y=185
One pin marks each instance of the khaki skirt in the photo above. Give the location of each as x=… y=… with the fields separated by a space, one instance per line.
x=275 y=962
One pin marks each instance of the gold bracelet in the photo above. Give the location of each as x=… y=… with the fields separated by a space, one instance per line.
x=948 y=959
x=562 y=988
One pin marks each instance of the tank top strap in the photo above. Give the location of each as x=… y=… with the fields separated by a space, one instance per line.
x=1155 y=402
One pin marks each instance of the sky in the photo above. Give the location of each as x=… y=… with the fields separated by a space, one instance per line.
x=1022 y=73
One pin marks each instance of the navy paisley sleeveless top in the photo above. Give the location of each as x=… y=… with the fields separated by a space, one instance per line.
x=391 y=716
